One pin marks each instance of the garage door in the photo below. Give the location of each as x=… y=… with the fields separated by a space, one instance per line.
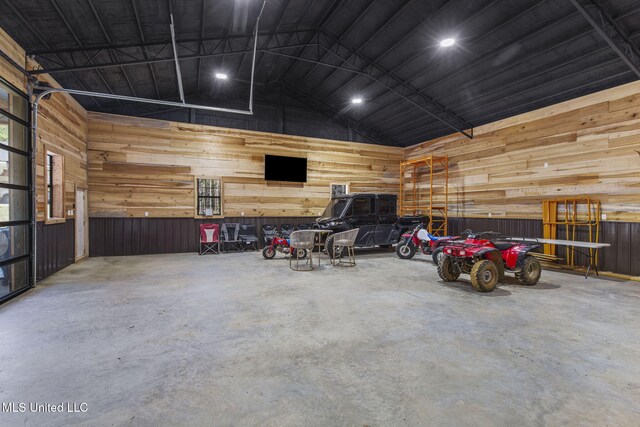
x=16 y=225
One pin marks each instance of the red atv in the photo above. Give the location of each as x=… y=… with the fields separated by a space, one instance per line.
x=420 y=238
x=282 y=245
x=485 y=257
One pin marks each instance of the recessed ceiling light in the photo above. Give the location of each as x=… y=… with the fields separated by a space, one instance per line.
x=221 y=76
x=356 y=101
x=447 y=42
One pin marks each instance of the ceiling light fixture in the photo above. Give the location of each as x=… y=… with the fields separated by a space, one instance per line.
x=447 y=42
x=221 y=76
x=356 y=101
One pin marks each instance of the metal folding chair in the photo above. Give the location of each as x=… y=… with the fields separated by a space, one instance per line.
x=231 y=236
x=209 y=239
x=248 y=236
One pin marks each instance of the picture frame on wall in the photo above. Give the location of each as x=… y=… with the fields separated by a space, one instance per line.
x=339 y=189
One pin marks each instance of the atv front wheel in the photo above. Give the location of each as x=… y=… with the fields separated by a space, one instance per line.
x=269 y=252
x=437 y=255
x=405 y=249
x=448 y=270
x=530 y=273
x=484 y=275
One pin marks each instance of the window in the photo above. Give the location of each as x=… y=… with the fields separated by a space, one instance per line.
x=209 y=197
x=386 y=206
x=13 y=103
x=362 y=206
x=54 y=176
x=338 y=190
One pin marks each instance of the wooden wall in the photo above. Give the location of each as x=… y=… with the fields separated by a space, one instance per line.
x=589 y=146
x=16 y=53
x=62 y=128
x=143 y=165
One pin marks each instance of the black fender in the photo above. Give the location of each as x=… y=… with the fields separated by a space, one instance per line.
x=522 y=255
x=492 y=254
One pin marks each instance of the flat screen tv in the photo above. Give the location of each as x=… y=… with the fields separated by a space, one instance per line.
x=280 y=168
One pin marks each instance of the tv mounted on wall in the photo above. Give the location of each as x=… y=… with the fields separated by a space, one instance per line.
x=281 y=168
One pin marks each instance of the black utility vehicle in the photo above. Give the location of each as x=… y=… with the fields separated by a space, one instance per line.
x=374 y=214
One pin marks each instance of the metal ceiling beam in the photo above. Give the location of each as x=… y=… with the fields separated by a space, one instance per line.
x=560 y=78
x=314 y=103
x=482 y=58
x=325 y=17
x=628 y=12
x=371 y=37
x=399 y=87
x=200 y=47
x=313 y=61
x=501 y=113
x=564 y=40
x=483 y=119
x=156 y=60
x=77 y=39
x=607 y=28
x=269 y=38
x=479 y=104
x=276 y=66
x=408 y=34
x=526 y=94
x=106 y=36
x=339 y=38
x=427 y=69
x=164 y=43
x=45 y=43
x=144 y=49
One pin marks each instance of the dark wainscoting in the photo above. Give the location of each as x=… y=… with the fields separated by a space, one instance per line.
x=55 y=247
x=622 y=257
x=143 y=236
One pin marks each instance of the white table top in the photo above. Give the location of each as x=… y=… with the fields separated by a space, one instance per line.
x=575 y=243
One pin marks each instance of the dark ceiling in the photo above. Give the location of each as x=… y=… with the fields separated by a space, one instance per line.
x=511 y=56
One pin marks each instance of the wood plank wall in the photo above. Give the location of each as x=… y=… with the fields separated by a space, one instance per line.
x=143 y=165
x=16 y=53
x=589 y=146
x=63 y=128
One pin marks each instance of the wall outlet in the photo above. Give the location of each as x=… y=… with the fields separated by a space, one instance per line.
x=489 y=214
x=603 y=217
x=546 y=165
x=241 y=213
x=146 y=214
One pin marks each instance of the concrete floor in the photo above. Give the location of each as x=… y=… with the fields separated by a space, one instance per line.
x=234 y=339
